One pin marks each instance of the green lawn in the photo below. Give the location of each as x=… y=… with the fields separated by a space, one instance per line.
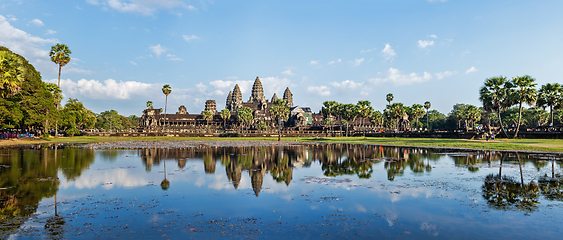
x=544 y=145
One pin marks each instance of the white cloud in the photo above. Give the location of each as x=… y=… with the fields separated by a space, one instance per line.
x=134 y=63
x=288 y=72
x=465 y=53
x=347 y=84
x=319 y=90
x=172 y=57
x=425 y=43
x=388 y=52
x=335 y=61
x=49 y=32
x=470 y=70
x=314 y=62
x=394 y=76
x=31 y=47
x=157 y=50
x=369 y=50
x=109 y=89
x=190 y=38
x=11 y=18
x=432 y=36
x=36 y=22
x=145 y=7
x=357 y=62
x=445 y=74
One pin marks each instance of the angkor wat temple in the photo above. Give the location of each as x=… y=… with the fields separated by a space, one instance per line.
x=153 y=120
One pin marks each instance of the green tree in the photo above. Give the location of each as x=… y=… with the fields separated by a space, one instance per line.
x=349 y=112
x=364 y=111
x=166 y=89
x=225 y=114
x=471 y=114
x=494 y=96
x=389 y=98
x=133 y=120
x=12 y=73
x=76 y=117
x=395 y=111
x=416 y=112
x=245 y=116
x=427 y=105
x=280 y=111
x=207 y=115
x=377 y=118
x=60 y=55
x=522 y=91
x=262 y=126
x=329 y=110
x=550 y=95
x=149 y=104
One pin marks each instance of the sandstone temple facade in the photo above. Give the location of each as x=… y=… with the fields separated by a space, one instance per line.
x=182 y=121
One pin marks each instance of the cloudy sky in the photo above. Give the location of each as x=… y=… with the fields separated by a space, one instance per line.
x=440 y=51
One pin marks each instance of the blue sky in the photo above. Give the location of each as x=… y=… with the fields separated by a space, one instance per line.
x=440 y=51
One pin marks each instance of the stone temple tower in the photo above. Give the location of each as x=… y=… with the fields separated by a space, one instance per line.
x=257 y=95
x=234 y=100
x=211 y=106
x=288 y=97
x=274 y=98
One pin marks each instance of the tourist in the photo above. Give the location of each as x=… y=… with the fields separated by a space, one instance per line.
x=492 y=136
x=487 y=136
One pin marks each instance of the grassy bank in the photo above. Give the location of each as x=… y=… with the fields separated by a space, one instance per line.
x=544 y=145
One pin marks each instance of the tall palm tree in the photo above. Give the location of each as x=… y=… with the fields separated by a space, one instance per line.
x=494 y=96
x=12 y=73
x=427 y=105
x=166 y=89
x=329 y=111
x=364 y=111
x=523 y=91
x=149 y=104
x=207 y=115
x=389 y=98
x=417 y=111
x=550 y=95
x=280 y=111
x=225 y=114
x=60 y=55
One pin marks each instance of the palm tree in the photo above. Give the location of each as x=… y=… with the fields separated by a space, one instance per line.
x=329 y=111
x=524 y=92
x=364 y=111
x=12 y=73
x=550 y=95
x=60 y=55
x=349 y=112
x=225 y=114
x=207 y=115
x=427 y=105
x=377 y=118
x=280 y=111
x=245 y=115
x=417 y=111
x=494 y=96
x=149 y=104
x=389 y=98
x=166 y=89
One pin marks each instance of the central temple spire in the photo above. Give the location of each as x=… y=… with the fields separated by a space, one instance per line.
x=257 y=92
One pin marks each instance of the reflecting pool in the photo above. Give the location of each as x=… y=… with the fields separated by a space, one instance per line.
x=312 y=191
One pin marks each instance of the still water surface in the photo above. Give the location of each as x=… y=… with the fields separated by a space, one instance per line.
x=305 y=191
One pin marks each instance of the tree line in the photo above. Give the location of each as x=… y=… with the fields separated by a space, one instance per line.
x=32 y=105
